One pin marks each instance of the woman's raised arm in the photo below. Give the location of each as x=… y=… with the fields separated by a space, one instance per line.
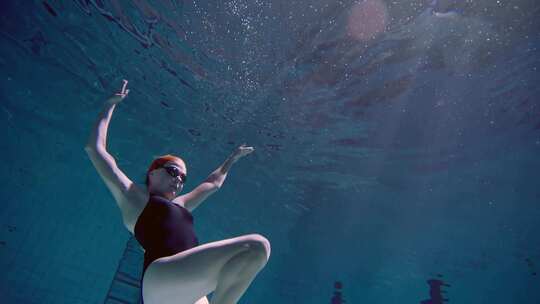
x=117 y=182
x=213 y=182
x=98 y=137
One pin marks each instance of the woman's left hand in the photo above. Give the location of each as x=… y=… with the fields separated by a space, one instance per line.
x=242 y=151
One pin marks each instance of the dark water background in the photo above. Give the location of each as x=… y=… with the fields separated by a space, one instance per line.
x=397 y=142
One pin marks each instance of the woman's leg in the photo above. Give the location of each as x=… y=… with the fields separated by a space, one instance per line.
x=188 y=276
x=237 y=274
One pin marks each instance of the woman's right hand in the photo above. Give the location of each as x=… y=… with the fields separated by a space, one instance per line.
x=118 y=97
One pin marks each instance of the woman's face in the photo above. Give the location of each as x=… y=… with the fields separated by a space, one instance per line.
x=167 y=180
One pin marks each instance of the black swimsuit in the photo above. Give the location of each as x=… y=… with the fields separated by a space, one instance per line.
x=163 y=229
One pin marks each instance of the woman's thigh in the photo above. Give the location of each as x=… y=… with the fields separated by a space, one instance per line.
x=185 y=277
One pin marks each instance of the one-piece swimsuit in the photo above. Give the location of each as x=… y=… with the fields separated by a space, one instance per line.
x=163 y=229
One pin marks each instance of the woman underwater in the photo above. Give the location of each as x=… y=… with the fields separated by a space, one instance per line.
x=176 y=268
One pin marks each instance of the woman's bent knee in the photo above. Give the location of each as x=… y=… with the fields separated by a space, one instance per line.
x=260 y=246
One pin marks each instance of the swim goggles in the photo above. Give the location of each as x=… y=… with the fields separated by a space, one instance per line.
x=174 y=172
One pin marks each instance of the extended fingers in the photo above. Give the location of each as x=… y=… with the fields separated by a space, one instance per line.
x=247 y=150
x=124 y=87
x=243 y=150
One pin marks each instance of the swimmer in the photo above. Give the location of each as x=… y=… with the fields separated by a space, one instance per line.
x=177 y=269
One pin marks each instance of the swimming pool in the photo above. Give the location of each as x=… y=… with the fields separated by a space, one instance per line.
x=396 y=144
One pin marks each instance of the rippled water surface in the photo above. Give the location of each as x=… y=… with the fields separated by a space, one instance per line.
x=396 y=143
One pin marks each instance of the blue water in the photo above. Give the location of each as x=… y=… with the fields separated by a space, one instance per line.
x=396 y=142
